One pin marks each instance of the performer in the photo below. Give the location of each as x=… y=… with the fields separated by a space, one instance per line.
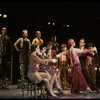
x=24 y=49
x=55 y=45
x=91 y=62
x=64 y=65
x=52 y=69
x=83 y=58
x=5 y=54
x=78 y=82
x=38 y=40
x=34 y=72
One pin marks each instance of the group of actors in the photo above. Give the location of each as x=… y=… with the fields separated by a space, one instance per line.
x=58 y=66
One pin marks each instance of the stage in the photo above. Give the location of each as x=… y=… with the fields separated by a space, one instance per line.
x=12 y=92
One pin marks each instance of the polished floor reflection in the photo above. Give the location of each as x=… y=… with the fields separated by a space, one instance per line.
x=13 y=93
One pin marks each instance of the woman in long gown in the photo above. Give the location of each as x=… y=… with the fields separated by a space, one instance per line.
x=78 y=82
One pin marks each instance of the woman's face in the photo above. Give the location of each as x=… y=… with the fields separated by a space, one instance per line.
x=63 y=48
x=49 y=46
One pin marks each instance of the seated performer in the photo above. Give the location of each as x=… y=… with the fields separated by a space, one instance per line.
x=51 y=68
x=34 y=72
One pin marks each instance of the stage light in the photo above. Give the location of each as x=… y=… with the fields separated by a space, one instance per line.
x=67 y=25
x=4 y=16
x=53 y=23
x=48 y=23
x=0 y=15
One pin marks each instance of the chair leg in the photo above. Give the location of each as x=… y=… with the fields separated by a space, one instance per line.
x=35 y=92
x=28 y=88
x=23 y=91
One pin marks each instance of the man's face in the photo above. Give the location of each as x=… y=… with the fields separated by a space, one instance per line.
x=25 y=34
x=63 y=48
x=49 y=46
x=38 y=34
x=54 y=38
x=4 y=30
x=81 y=43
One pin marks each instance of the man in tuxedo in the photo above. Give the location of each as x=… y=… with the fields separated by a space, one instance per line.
x=82 y=59
x=91 y=62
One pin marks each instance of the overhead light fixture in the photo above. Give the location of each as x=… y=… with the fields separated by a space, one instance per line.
x=48 y=23
x=0 y=15
x=4 y=16
x=53 y=23
x=67 y=25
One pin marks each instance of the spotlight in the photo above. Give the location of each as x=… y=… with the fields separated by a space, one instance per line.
x=67 y=25
x=53 y=23
x=0 y=15
x=4 y=16
x=48 y=23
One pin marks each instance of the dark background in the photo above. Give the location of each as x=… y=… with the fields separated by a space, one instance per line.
x=83 y=18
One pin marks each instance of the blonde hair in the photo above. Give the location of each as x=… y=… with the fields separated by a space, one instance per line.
x=25 y=31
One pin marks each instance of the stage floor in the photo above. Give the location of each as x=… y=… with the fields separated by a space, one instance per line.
x=13 y=93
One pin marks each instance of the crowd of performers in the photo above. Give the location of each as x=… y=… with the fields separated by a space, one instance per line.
x=61 y=66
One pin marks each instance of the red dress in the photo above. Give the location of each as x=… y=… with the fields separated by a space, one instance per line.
x=78 y=82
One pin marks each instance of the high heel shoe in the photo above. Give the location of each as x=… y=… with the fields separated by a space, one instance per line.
x=51 y=94
x=89 y=90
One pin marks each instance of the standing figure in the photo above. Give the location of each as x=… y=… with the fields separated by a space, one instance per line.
x=83 y=61
x=91 y=62
x=38 y=41
x=78 y=82
x=5 y=53
x=64 y=64
x=55 y=45
x=25 y=45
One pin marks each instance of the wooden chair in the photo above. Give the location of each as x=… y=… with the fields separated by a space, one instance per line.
x=38 y=89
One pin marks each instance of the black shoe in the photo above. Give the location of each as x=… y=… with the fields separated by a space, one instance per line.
x=60 y=92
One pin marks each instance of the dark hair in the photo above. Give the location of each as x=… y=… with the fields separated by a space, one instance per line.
x=90 y=44
x=33 y=47
x=83 y=39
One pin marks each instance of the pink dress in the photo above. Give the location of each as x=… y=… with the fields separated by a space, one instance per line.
x=78 y=82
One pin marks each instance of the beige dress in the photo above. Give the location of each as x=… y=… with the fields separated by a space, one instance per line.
x=34 y=74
